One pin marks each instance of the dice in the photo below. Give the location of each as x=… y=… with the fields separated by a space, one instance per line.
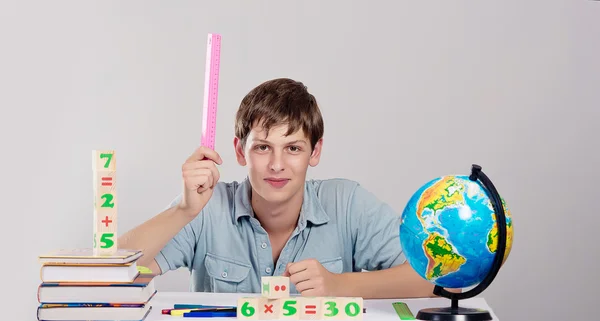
x=274 y=287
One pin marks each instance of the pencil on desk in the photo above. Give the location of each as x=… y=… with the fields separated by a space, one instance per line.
x=179 y=307
x=210 y=314
x=200 y=306
x=180 y=312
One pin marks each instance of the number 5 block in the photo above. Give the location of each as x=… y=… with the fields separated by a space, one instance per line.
x=290 y=308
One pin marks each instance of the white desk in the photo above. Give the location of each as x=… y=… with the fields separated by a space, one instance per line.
x=380 y=310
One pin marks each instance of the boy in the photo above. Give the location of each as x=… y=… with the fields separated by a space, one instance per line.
x=320 y=233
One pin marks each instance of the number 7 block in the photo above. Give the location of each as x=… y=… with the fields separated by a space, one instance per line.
x=105 y=202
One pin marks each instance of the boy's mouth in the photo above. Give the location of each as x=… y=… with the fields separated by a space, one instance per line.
x=277 y=182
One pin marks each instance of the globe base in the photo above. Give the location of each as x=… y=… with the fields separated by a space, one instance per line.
x=454 y=314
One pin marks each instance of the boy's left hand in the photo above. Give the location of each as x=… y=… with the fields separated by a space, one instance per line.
x=312 y=279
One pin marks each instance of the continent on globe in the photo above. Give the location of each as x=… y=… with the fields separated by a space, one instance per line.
x=444 y=193
x=492 y=239
x=443 y=258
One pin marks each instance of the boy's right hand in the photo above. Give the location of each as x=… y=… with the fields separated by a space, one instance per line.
x=200 y=176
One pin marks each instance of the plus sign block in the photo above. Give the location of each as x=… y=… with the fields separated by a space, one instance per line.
x=274 y=287
x=105 y=202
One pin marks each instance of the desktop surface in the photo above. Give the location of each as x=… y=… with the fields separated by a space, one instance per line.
x=376 y=309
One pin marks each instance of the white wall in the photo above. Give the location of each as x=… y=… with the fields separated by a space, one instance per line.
x=512 y=86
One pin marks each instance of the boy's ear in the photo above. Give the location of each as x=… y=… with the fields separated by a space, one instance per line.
x=316 y=153
x=239 y=151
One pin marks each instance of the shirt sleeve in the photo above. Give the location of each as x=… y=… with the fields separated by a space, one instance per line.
x=375 y=232
x=179 y=251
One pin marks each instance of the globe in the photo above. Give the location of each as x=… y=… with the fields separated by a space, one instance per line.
x=449 y=231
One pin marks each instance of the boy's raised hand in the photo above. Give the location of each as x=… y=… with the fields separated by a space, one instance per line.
x=200 y=175
x=311 y=278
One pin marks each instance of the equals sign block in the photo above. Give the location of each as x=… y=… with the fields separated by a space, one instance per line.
x=106 y=181
x=310 y=308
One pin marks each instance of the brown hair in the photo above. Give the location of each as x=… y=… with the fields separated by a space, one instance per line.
x=279 y=101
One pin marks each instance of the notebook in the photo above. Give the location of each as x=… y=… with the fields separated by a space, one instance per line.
x=86 y=255
x=81 y=272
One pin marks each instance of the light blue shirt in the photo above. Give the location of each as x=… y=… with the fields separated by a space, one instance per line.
x=341 y=224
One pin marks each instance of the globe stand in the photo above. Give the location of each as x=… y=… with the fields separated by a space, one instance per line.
x=454 y=312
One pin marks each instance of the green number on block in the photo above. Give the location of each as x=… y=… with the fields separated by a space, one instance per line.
x=108 y=159
x=289 y=307
x=352 y=309
x=106 y=240
x=108 y=200
x=95 y=244
x=333 y=310
x=247 y=310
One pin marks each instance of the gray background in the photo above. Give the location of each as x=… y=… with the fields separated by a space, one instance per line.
x=409 y=91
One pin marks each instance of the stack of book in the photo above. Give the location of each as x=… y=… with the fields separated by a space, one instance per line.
x=77 y=285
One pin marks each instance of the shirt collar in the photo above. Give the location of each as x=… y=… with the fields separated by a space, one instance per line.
x=311 y=210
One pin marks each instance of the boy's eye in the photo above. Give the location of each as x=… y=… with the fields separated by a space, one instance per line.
x=262 y=147
x=294 y=148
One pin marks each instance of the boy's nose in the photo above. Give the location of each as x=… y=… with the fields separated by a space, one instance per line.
x=276 y=163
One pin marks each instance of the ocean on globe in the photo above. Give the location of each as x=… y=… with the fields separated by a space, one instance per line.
x=449 y=232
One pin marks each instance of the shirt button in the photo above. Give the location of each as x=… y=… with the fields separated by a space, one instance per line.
x=224 y=274
x=264 y=245
x=268 y=270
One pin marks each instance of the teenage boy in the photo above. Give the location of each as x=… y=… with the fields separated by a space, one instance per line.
x=320 y=233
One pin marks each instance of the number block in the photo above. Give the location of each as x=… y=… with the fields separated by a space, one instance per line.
x=105 y=202
x=248 y=308
x=353 y=307
x=290 y=308
x=104 y=160
x=274 y=287
x=331 y=308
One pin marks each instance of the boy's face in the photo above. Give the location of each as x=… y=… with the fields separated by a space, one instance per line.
x=277 y=164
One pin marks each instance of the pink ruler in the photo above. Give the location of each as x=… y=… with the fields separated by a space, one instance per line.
x=211 y=90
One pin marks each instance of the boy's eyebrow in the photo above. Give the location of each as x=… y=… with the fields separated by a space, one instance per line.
x=292 y=142
x=298 y=141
